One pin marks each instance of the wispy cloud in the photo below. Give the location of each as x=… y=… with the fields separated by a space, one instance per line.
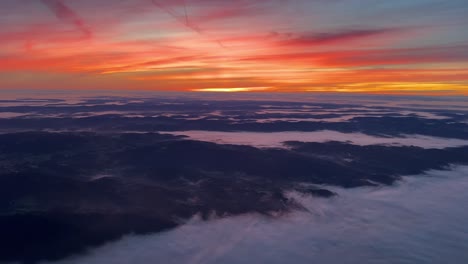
x=66 y=14
x=344 y=36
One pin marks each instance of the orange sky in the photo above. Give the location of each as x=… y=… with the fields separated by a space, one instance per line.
x=419 y=47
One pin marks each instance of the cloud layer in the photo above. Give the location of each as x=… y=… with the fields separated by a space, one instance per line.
x=276 y=139
x=419 y=220
x=359 y=46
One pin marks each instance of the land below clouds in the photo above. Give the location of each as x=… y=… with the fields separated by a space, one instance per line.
x=162 y=114
x=62 y=193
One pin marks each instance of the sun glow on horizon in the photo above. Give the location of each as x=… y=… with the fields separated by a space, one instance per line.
x=231 y=90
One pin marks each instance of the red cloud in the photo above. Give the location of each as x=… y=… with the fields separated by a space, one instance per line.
x=369 y=57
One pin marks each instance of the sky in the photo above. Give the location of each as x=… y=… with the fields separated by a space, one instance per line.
x=366 y=46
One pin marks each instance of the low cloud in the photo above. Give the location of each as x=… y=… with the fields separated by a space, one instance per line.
x=276 y=139
x=419 y=220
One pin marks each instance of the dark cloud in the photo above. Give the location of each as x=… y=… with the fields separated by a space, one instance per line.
x=338 y=37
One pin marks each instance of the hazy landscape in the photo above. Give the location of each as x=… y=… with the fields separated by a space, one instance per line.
x=167 y=176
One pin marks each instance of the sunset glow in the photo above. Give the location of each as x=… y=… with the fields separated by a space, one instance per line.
x=236 y=46
x=236 y=89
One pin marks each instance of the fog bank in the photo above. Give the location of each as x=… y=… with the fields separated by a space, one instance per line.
x=420 y=220
x=276 y=139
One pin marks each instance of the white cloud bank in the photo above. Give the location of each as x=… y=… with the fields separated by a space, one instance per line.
x=276 y=139
x=419 y=220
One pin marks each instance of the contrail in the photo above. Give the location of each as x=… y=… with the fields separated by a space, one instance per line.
x=185 y=11
x=63 y=12
x=183 y=20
